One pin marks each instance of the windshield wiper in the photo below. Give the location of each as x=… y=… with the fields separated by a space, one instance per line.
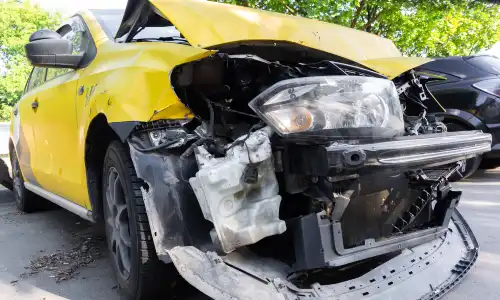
x=175 y=39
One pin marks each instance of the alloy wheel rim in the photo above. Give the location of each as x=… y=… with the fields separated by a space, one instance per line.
x=117 y=223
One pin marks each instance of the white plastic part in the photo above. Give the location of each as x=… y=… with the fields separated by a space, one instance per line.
x=242 y=213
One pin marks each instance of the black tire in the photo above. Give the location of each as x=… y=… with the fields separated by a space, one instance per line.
x=470 y=165
x=26 y=201
x=148 y=277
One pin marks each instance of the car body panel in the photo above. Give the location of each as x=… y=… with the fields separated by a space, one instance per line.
x=22 y=132
x=394 y=66
x=215 y=23
x=55 y=138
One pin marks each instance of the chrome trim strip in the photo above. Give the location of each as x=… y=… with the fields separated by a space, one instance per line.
x=62 y=202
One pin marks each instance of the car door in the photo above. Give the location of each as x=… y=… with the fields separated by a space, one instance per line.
x=56 y=133
x=24 y=126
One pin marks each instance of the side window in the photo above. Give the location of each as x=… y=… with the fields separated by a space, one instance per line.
x=56 y=72
x=37 y=78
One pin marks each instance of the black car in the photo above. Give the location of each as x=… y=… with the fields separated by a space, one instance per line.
x=469 y=90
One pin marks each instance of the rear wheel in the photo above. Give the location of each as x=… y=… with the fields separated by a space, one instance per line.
x=470 y=165
x=26 y=201
x=140 y=274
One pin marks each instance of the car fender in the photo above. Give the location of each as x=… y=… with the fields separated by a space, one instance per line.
x=130 y=83
x=463 y=117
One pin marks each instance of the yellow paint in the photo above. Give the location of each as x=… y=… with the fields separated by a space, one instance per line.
x=206 y=24
x=394 y=66
x=131 y=82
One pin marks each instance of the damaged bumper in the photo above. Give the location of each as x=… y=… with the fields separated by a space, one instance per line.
x=426 y=271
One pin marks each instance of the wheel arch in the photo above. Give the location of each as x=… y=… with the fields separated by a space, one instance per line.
x=99 y=135
x=463 y=118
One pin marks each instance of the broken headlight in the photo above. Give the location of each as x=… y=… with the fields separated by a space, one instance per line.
x=170 y=137
x=333 y=106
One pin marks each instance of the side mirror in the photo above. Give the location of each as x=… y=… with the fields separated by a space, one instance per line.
x=47 y=49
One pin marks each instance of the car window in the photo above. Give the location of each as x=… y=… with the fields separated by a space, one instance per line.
x=110 y=21
x=53 y=72
x=37 y=78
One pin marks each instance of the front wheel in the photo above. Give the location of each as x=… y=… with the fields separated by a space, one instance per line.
x=140 y=274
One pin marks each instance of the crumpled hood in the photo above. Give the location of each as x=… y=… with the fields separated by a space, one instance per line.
x=207 y=24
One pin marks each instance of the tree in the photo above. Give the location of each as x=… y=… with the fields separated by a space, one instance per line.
x=418 y=28
x=17 y=22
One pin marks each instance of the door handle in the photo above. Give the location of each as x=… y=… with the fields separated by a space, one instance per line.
x=34 y=105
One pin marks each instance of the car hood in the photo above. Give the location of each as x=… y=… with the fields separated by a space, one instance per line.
x=207 y=24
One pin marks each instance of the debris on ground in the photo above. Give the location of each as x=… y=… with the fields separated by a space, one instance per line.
x=64 y=265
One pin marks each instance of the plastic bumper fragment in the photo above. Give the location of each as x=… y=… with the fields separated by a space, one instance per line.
x=426 y=271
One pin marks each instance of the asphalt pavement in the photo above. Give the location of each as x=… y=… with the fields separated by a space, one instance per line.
x=38 y=250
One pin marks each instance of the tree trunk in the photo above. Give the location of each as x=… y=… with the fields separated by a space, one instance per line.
x=357 y=14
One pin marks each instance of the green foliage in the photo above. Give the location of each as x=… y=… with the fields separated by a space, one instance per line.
x=418 y=28
x=17 y=22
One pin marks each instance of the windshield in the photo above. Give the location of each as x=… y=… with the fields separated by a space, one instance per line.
x=110 y=20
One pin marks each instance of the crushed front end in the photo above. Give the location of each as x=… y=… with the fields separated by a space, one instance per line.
x=308 y=179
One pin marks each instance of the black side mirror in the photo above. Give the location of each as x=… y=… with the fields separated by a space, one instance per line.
x=47 y=49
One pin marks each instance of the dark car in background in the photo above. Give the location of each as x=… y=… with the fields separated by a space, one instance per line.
x=469 y=90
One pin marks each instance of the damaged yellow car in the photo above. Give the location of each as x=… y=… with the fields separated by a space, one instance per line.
x=257 y=155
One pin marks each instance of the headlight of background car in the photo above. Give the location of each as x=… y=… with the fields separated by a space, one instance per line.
x=333 y=106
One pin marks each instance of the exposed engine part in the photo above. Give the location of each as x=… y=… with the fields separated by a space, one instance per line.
x=423 y=124
x=238 y=193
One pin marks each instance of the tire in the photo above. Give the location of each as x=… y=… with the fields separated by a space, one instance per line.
x=141 y=275
x=26 y=201
x=470 y=165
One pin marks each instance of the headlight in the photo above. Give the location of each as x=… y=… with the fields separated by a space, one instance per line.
x=171 y=137
x=333 y=106
x=491 y=86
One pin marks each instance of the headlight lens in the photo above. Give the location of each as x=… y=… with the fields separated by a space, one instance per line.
x=355 y=106
x=491 y=86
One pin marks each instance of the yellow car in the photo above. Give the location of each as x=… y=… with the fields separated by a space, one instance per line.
x=257 y=155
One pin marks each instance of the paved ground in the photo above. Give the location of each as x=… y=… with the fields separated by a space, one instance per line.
x=25 y=237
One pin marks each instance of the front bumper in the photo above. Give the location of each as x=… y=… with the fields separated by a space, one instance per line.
x=426 y=271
